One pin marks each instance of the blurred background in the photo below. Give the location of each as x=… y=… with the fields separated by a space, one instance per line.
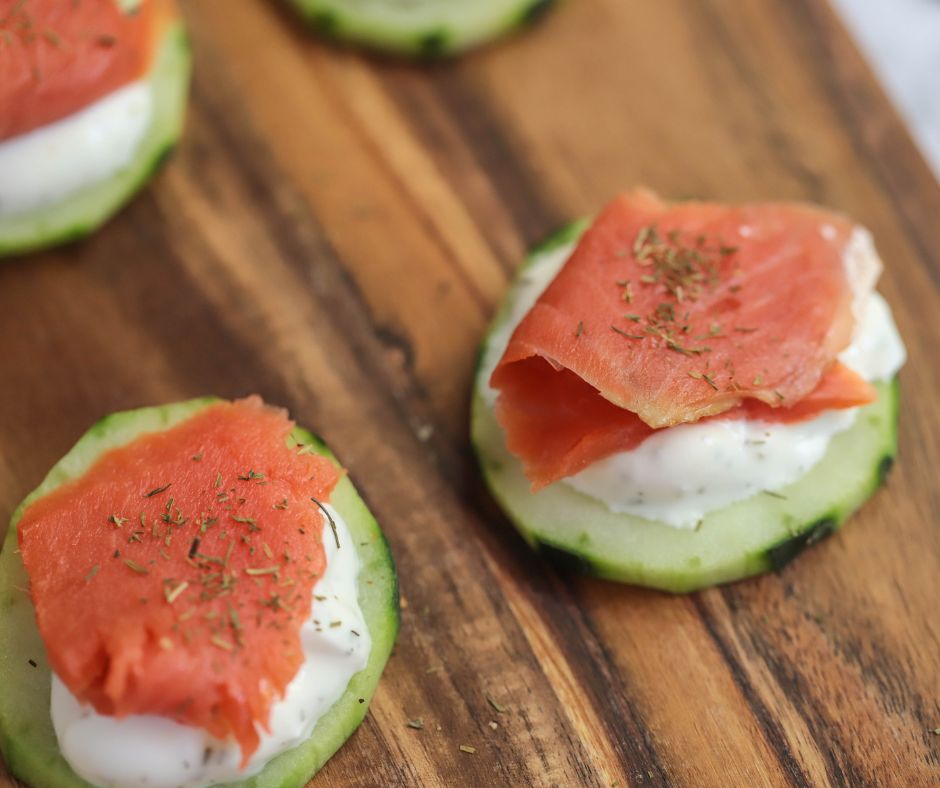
x=902 y=41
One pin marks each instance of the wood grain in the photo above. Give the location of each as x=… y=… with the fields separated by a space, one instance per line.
x=334 y=232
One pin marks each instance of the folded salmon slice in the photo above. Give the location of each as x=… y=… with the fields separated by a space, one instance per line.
x=59 y=56
x=172 y=578
x=668 y=314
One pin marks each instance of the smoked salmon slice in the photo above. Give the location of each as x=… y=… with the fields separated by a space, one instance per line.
x=668 y=314
x=172 y=578
x=59 y=56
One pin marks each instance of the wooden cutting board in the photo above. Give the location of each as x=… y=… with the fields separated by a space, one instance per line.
x=335 y=231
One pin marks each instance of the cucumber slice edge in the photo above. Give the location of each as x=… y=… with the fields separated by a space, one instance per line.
x=82 y=213
x=563 y=525
x=381 y=27
x=27 y=740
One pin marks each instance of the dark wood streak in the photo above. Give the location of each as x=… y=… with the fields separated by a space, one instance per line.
x=583 y=647
x=609 y=691
x=779 y=142
x=771 y=728
x=499 y=155
x=519 y=192
x=372 y=149
x=303 y=247
x=857 y=643
x=840 y=768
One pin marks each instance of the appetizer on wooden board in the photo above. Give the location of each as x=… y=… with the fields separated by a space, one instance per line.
x=422 y=28
x=678 y=395
x=204 y=597
x=92 y=97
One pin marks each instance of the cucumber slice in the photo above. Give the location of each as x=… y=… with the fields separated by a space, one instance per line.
x=27 y=739
x=746 y=538
x=423 y=28
x=84 y=211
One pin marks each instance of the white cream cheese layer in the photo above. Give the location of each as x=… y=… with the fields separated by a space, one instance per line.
x=159 y=753
x=679 y=475
x=46 y=165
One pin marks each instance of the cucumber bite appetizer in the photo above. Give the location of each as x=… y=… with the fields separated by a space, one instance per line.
x=422 y=28
x=92 y=97
x=195 y=595
x=678 y=395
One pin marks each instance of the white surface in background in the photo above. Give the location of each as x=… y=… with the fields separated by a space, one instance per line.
x=902 y=40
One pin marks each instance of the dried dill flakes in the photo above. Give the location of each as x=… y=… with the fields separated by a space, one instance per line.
x=53 y=38
x=499 y=707
x=220 y=642
x=627 y=294
x=579 y=330
x=626 y=334
x=207 y=524
x=467 y=749
x=92 y=572
x=158 y=490
x=934 y=731
x=197 y=457
x=425 y=432
x=684 y=272
x=267 y=570
x=174 y=593
x=134 y=566
x=417 y=724
x=710 y=381
x=664 y=312
x=773 y=494
x=331 y=520
x=117 y=521
x=32 y=663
